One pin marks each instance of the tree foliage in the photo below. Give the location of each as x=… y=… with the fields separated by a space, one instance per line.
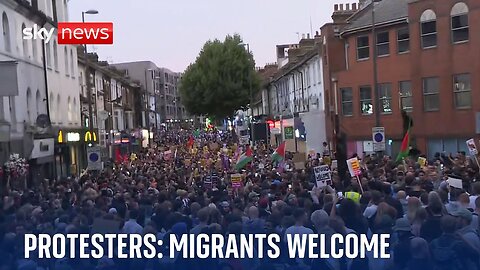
x=219 y=81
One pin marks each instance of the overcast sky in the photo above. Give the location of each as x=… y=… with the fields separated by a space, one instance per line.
x=171 y=32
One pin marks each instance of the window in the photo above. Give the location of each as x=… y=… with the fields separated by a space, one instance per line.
x=72 y=64
x=366 y=105
x=66 y=61
x=75 y=112
x=58 y=111
x=34 y=49
x=431 y=97
x=428 y=23
x=13 y=112
x=406 y=102
x=49 y=55
x=403 y=40
x=24 y=43
x=29 y=99
x=385 y=97
x=363 y=48
x=55 y=55
x=462 y=91
x=38 y=101
x=69 y=109
x=460 y=29
x=383 y=44
x=6 y=33
x=347 y=101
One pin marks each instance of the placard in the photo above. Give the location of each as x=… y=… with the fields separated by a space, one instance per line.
x=334 y=165
x=455 y=182
x=323 y=175
x=472 y=148
x=354 y=167
x=422 y=162
x=300 y=165
x=236 y=180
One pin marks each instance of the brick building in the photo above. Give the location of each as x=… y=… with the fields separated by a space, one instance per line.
x=428 y=61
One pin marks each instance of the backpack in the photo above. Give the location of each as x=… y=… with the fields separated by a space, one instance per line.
x=445 y=257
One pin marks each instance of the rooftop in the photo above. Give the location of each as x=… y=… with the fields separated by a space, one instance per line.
x=386 y=11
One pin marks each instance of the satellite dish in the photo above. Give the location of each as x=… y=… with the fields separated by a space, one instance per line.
x=43 y=121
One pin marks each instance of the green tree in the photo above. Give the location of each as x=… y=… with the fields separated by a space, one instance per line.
x=222 y=79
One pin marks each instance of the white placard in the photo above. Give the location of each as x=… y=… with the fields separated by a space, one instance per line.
x=323 y=175
x=455 y=182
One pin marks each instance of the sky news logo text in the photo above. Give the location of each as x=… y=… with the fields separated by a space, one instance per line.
x=73 y=33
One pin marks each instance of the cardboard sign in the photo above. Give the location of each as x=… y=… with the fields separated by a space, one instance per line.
x=422 y=162
x=354 y=167
x=300 y=165
x=472 y=148
x=323 y=175
x=299 y=157
x=455 y=182
x=104 y=226
x=236 y=180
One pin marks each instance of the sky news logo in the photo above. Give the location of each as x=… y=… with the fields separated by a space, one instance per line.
x=73 y=33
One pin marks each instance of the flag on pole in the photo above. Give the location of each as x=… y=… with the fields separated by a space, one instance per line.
x=405 y=147
x=279 y=154
x=244 y=159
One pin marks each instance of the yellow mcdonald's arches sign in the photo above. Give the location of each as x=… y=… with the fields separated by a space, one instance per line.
x=60 y=137
x=89 y=136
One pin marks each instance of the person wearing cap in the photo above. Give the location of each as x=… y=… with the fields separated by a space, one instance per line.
x=467 y=233
x=401 y=250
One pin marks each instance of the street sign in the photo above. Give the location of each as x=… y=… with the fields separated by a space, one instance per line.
x=289 y=133
x=94 y=158
x=378 y=136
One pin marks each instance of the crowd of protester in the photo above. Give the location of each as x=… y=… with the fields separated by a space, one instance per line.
x=432 y=224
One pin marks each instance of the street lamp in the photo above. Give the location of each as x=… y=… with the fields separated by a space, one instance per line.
x=251 y=93
x=89 y=87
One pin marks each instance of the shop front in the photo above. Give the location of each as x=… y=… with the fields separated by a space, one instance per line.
x=70 y=151
x=41 y=161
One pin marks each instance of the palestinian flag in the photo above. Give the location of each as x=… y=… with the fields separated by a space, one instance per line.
x=279 y=154
x=405 y=148
x=244 y=159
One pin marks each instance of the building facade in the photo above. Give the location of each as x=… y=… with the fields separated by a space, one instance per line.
x=43 y=94
x=114 y=106
x=420 y=49
x=296 y=97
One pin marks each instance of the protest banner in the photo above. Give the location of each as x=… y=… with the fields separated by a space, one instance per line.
x=236 y=180
x=323 y=175
x=355 y=170
x=354 y=167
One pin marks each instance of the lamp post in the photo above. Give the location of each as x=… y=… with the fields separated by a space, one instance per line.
x=89 y=87
x=251 y=95
x=375 y=72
